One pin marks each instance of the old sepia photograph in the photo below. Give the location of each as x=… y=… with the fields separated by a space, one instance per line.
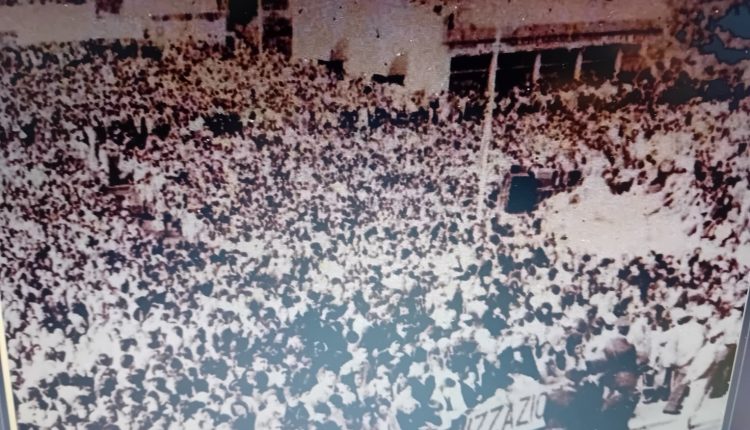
x=373 y=214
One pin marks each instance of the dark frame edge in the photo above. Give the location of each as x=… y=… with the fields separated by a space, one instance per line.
x=739 y=367
x=7 y=409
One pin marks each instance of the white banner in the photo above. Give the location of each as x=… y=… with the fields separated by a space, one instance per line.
x=521 y=408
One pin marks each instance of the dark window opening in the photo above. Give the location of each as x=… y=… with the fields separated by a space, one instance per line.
x=514 y=69
x=522 y=195
x=558 y=66
x=241 y=12
x=277 y=26
x=277 y=35
x=469 y=73
x=598 y=63
x=463 y=63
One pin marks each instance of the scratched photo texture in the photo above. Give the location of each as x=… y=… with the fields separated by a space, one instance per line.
x=396 y=214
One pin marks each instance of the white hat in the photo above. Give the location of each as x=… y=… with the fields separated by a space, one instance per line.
x=517 y=340
x=609 y=318
x=702 y=312
x=678 y=314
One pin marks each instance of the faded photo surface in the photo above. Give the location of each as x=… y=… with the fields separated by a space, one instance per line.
x=350 y=214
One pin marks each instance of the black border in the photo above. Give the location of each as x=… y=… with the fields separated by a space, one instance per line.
x=741 y=367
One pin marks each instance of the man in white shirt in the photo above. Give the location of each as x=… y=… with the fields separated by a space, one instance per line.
x=686 y=339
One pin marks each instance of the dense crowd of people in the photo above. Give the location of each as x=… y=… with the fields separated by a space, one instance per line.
x=201 y=237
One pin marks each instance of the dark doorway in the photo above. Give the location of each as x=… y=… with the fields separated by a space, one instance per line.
x=241 y=12
x=469 y=73
x=522 y=195
x=558 y=66
x=336 y=67
x=115 y=174
x=277 y=34
x=598 y=63
x=514 y=69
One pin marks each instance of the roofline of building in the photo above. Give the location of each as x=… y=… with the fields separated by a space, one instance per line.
x=555 y=33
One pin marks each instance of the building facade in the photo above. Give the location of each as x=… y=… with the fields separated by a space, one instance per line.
x=449 y=45
x=27 y=23
x=428 y=45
